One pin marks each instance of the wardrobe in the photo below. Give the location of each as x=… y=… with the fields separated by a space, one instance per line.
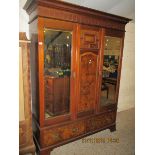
x=76 y=59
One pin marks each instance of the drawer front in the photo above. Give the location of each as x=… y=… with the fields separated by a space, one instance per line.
x=89 y=39
x=100 y=121
x=59 y=134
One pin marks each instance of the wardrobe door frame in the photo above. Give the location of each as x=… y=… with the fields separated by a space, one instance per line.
x=110 y=33
x=94 y=51
x=59 y=25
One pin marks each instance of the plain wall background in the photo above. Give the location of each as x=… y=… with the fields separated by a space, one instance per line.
x=126 y=98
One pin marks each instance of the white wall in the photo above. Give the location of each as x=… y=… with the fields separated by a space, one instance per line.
x=23 y=18
x=127 y=84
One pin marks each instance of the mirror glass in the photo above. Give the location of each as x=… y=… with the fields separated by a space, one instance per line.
x=110 y=70
x=57 y=67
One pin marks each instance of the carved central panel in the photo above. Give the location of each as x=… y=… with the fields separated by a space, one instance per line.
x=88 y=72
x=89 y=39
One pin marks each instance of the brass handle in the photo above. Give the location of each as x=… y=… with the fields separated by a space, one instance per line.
x=75 y=130
x=56 y=136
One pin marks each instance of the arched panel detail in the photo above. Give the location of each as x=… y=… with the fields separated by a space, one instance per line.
x=88 y=79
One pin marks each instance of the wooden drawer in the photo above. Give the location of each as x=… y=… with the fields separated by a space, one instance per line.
x=55 y=135
x=89 y=39
x=100 y=121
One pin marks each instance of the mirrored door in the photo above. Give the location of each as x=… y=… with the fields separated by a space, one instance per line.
x=57 y=71
x=110 y=70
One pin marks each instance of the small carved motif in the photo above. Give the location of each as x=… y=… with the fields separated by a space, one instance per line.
x=89 y=39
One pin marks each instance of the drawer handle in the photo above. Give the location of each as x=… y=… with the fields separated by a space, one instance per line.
x=75 y=130
x=56 y=136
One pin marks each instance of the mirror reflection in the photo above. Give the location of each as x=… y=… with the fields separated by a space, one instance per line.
x=110 y=70
x=57 y=65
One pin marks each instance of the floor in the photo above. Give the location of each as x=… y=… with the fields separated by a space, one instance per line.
x=120 y=142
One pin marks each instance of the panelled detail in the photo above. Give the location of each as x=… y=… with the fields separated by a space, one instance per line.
x=59 y=134
x=88 y=77
x=89 y=39
x=75 y=17
x=100 y=121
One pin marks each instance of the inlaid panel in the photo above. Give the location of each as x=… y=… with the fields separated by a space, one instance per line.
x=100 y=121
x=56 y=135
x=88 y=77
x=59 y=134
x=89 y=39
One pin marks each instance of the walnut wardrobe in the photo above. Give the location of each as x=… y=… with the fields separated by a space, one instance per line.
x=76 y=58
